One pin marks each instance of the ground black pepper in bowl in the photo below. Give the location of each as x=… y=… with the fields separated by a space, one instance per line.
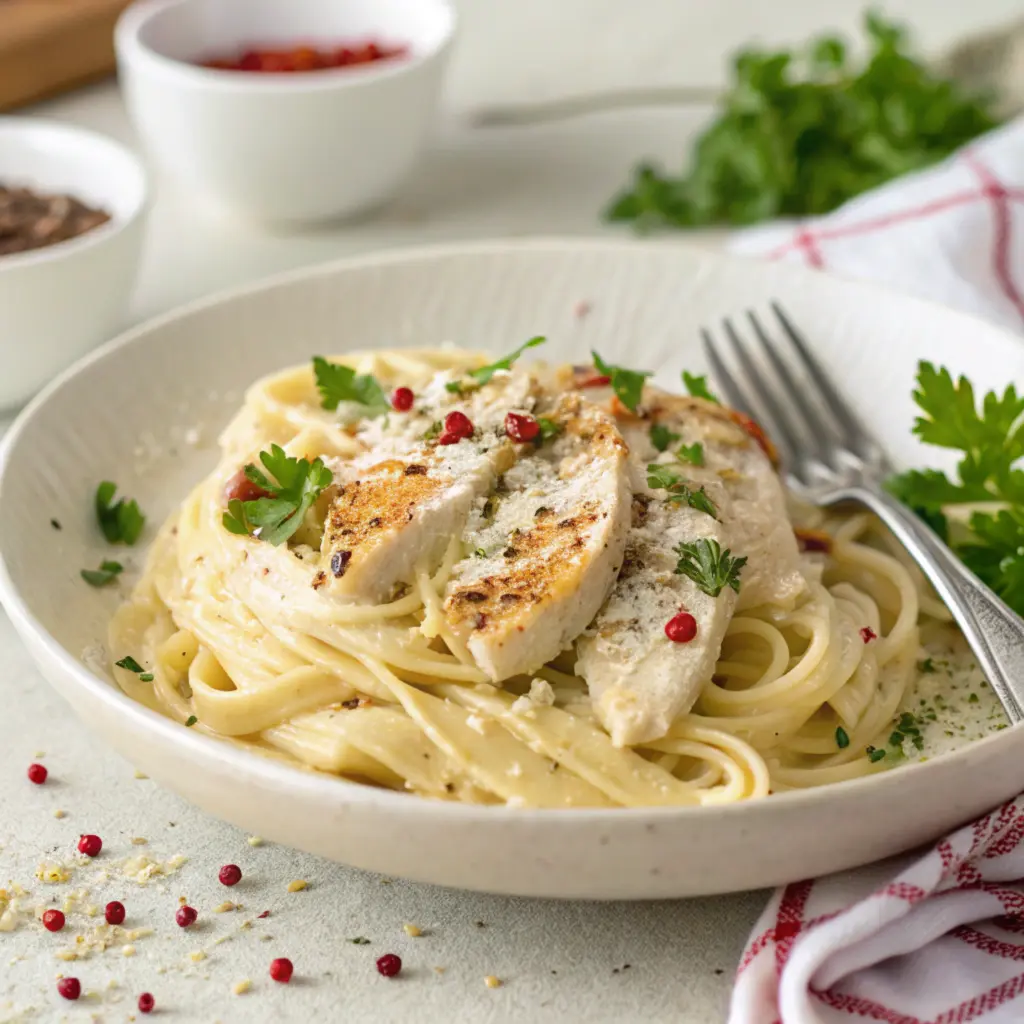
x=32 y=220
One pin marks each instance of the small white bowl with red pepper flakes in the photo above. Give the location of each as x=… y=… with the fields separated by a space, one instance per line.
x=285 y=140
x=72 y=207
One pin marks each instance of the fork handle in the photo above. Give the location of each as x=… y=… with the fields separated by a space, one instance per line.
x=994 y=631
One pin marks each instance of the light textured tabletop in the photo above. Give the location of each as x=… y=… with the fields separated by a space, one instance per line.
x=668 y=961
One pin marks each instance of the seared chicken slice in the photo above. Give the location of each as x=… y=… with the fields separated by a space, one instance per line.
x=398 y=505
x=639 y=680
x=545 y=549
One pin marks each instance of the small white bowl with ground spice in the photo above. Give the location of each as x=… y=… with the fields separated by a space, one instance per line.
x=285 y=113
x=71 y=217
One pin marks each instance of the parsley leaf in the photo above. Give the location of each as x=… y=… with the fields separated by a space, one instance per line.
x=485 y=373
x=360 y=940
x=107 y=572
x=667 y=478
x=129 y=663
x=875 y=754
x=548 y=429
x=275 y=518
x=628 y=385
x=800 y=133
x=120 y=522
x=662 y=437
x=697 y=386
x=190 y=721
x=990 y=437
x=842 y=738
x=692 y=453
x=338 y=383
x=711 y=568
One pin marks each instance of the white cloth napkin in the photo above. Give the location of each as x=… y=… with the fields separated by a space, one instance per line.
x=939 y=940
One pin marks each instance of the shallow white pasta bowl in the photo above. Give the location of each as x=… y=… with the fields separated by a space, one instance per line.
x=179 y=379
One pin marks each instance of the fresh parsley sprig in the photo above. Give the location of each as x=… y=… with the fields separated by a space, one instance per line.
x=692 y=453
x=628 y=385
x=549 y=429
x=337 y=383
x=990 y=438
x=484 y=373
x=711 y=568
x=121 y=522
x=697 y=387
x=662 y=437
x=296 y=485
x=800 y=133
x=667 y=478
x=129 y=663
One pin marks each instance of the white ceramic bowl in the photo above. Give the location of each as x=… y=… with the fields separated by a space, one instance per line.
x=186 y=371
x=283 y=147
x=60 y=301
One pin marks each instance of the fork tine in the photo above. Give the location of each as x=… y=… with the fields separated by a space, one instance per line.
x=856 y=436
x=725 y=380
x=780 y=425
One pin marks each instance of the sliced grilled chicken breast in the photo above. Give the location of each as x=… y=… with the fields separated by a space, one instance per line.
x=640 y=680
x=545 y=549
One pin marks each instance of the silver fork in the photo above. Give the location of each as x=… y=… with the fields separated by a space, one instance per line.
x=829 y=457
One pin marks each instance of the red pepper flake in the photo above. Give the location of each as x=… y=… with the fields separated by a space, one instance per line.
x=53 y=920
x=281 y=970
x=266 y=913
x=114 y=912
x=521 y=427
x=185 y=916
x=754 y=429
x=306 y=58
x=681 y=628
x=69 y=988
x=230 y=874
x=457 y=426
x=90 y=845
x=867 y=634
x=598 y=380
x=241 y=488
x=37 y=773
x=389 y=965
x=402 y=399
x=146 y=1002
x=813 y=540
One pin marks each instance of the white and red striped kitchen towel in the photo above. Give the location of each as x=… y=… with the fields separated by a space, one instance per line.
x=936 y=939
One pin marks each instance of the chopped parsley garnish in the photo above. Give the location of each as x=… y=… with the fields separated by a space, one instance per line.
x=662 y=437
x=548 y=429
x=875 y=754
x=129 y=663
x=434 y=430
x=190 y=721
x=711 y=568
x=697 y=387
x=692 y=453
x=275 y=518
x=667 y=478
x=990 y=437
x=927 y=666
x=479 y=553
x=121 y=522
x=842 y=738
x=359 y=940
x=338 y=383
x=628 y=385
x=972 y=698
x=106 y=573
x=485 y=373
x=146 y=677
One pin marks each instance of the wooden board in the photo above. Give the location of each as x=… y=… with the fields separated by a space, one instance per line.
x=49 y=46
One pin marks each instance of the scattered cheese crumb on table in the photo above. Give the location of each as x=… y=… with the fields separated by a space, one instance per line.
x=412 y=931
x=241 y=987
x=492 y=982
x=297 y=886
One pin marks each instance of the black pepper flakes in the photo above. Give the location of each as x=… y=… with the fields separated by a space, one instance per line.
x=375 y=522
x=56 y=524
x=473 y=595
x=339 y=562
x=415 y=470
x=510 y=552
x=349 y=705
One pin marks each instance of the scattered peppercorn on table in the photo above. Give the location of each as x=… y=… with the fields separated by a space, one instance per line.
x=118 y=899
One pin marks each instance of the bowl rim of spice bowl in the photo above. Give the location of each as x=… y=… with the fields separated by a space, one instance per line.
x=137 y=20
x=124 y=206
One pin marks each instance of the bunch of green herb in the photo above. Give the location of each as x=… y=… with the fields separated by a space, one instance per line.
x=800 y=133
x=979 y=510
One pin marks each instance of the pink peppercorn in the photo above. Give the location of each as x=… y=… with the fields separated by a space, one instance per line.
x=389 y=965
x=230 y=874
x=114 y=912
x=281 y=970
x=146 y=1002
x=53 y=920
x=37 y=773
x=185 y=916
x=90 y=845
x=69 y=988
x=681 y=628
x=402 y=399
